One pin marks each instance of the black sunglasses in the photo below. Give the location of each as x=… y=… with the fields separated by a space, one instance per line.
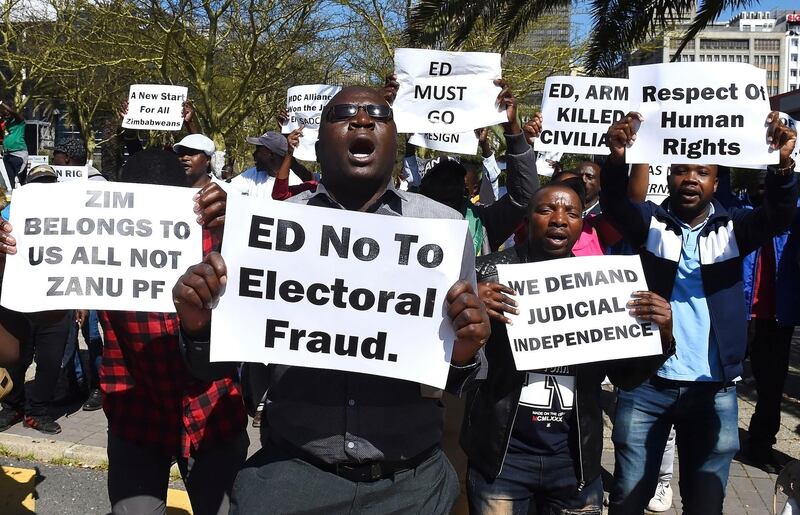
x=375 y=111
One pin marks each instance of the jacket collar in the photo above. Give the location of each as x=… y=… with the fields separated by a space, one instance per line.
x=390 y=192
x=719 y=212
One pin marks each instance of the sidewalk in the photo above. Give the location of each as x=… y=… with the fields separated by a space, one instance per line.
x=750 y=490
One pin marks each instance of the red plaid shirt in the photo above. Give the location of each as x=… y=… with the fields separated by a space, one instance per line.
x=150 y=398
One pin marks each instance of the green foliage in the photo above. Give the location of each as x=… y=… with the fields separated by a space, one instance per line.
x=617 y=26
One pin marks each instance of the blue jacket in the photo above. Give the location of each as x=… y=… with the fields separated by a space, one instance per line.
x=727 y=237
x=787 y=276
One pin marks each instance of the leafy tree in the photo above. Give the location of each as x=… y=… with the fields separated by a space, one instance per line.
x=618 y=25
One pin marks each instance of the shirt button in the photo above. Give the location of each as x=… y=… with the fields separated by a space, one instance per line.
x=350 y=445
x=351 y=402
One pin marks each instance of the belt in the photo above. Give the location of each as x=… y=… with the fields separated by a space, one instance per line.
x=376 y=470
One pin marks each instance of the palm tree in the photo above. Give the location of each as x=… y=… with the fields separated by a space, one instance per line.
x=618 y=25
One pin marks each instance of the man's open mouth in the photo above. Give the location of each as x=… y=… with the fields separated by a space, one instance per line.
x=361 y=150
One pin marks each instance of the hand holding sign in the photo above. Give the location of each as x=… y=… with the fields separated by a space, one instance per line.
x=533 y=128
x=621 y=135
x=470 y=322
x=508 y=102
x=189 y=118
x=196 y=292
x=390 y=87
x=781 y=137
x=495 y=297
x=652 y=307
x=209 y=205
x=282 y=116
x=8 y=245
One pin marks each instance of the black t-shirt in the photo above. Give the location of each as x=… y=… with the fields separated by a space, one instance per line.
x=545 y=412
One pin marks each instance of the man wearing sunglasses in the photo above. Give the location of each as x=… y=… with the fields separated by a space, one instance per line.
x=342 y=442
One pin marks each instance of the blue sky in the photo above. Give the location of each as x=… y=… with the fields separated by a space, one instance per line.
x=581 y=20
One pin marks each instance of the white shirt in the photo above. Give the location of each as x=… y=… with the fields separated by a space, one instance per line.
x=257 y=183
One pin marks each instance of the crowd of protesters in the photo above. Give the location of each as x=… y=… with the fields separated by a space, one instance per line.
x=341 y=442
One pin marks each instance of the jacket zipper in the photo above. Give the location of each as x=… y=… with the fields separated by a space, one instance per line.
x=580 y=440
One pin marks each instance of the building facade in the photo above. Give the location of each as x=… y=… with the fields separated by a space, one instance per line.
x=767 y=39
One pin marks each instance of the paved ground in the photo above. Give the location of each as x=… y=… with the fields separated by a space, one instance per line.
x=750 y=490
x=31 y=487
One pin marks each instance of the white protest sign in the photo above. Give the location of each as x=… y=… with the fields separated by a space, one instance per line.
x=573 y=311
x=37 y=160
x=157 y=107
x=335 y=289
x=4 y=178
x=577 y=112
x=100 y=245
x=657 y=185
x=71 y=173
x=700 y=113
x=545 y=162
x=304 y=105
x=446 y=92
x=458 y=143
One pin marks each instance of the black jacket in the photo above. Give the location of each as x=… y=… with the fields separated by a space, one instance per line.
x=492 y=407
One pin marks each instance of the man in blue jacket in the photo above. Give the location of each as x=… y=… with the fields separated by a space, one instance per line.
x=692 y=250
x=772 y=301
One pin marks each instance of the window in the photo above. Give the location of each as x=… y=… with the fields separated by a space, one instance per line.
x=738 y=58
x=793 y=87
x=767 y=44
x=716 y=57
x=794 y=42
x=676 y=42
x=746 y=59
x=793 y=72
x=794 y=58
x=723 y=44
x=724 y=58
x=769 y=59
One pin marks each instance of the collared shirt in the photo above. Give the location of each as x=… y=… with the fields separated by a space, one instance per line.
x=258 y=183
x=696 y=355
x=594 y=209
x=345 y=417
x=149 y=396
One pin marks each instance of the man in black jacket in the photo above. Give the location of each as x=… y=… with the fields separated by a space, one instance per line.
x=537 y=436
